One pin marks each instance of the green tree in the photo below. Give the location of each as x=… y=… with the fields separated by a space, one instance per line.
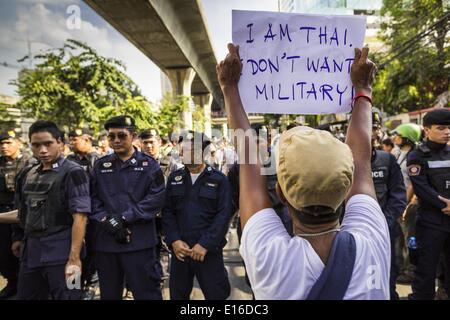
x=169 y=115
x=198 y=119
x=414 y=70
x=6 y=121
x=74 y=87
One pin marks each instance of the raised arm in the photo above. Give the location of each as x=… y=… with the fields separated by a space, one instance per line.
x=360 y=128
x=253 y=195
x=9 y=217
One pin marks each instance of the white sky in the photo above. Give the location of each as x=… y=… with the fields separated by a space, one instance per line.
x=44 y=23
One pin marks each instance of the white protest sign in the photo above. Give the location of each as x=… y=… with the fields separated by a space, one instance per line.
x=296 y=63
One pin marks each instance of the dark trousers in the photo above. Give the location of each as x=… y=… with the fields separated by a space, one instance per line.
x=88 y=263
x=211 y=275
x=431 y=243
x=44 y=283
x=407 y=230
x=394 y=270
x=137 y=268
x=9 y=264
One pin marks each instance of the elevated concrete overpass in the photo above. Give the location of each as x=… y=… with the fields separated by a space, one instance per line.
x=174 y=35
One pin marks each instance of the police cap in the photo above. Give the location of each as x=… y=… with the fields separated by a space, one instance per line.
x=194 y=136
x=376 y=117
x=437 y=116
x=10 y=134
x=149 y=133
x=126 y=122
x=78 y=132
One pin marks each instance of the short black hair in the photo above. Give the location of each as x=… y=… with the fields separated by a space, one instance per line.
x=317 y=214
x=46 y=126
x=388 y=142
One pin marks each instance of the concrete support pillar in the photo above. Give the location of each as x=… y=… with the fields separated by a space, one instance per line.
x=225 y=129
x=205 y=102
x=181 y=81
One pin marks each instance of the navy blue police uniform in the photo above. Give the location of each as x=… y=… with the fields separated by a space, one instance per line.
x=9 y=264
x=131 y=192
x=198 y=213
x=46 y=202
x=429 y=170
x=87 y=163
x=391 y=195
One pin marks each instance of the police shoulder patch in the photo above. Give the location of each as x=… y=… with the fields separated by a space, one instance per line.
x=414 y=170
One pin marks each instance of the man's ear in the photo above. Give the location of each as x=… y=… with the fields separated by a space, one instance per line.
x=280 y=195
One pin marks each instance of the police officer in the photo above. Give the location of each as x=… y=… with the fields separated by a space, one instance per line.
x=103 y=144
x=53 y=202
x=12 y=160
x=127 y=193
x=80 y=143
x=151 y=145
x=196 y=216
x=391 y=192
x=429 y=171
x=406 y=137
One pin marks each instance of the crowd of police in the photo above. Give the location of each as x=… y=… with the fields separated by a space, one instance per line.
x=133 y=209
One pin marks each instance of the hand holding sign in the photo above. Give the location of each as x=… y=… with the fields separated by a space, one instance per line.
x=296 y=63
x=362 y=71
x=229 y=70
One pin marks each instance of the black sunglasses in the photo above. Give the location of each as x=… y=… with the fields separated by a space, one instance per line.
x=120 y=135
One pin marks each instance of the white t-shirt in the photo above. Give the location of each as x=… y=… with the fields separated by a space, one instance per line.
x=402 y=158
x=194 y=177
x=286 y=268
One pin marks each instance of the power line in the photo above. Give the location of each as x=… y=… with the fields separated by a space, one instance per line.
x=414 y=40
x=8 y=65
x=411 y=24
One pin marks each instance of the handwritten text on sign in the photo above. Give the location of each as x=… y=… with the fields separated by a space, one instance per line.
x=296 y=63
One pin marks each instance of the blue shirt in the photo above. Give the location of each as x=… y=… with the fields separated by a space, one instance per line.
x=134 y=190
x=199 y=212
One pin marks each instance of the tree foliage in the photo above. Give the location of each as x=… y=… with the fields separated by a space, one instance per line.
x=75 y=87
x=6 y=121
x=414 y=69
x=169 y=116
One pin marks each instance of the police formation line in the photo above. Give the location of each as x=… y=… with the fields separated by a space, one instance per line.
x=104 y=213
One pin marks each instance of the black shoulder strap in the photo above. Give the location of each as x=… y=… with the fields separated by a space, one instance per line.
x=335 y=277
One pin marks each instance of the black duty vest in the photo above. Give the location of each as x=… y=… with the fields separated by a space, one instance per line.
x=44 y=198
x=380 y=176
x=438 y=170
x=8 y=173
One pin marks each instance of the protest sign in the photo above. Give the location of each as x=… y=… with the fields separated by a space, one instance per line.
x=296 y=63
